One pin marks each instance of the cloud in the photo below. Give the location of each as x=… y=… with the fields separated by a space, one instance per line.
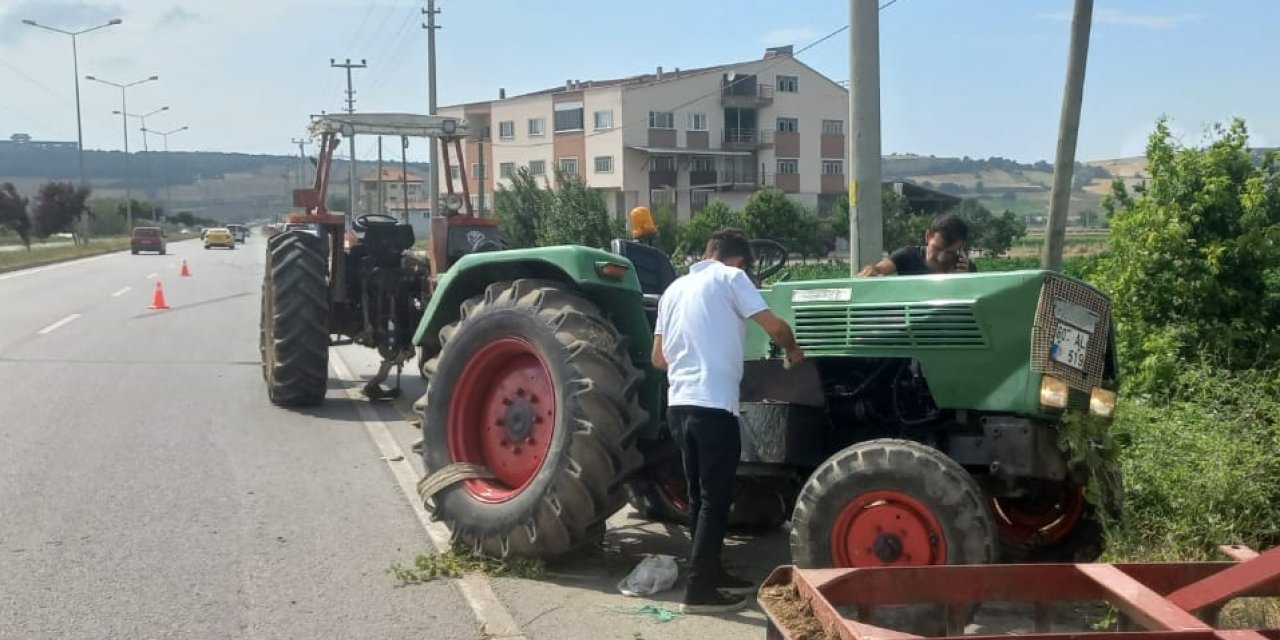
x=1126 y=19
x=789 y=35
x=63 y=14
x=178 y=16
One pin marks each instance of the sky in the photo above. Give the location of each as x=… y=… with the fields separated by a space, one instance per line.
x=974 y=77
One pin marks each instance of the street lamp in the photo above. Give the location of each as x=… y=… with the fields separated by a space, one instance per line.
x=75 y=63
x=168 y=193
x=124 y=120
x=142 y=117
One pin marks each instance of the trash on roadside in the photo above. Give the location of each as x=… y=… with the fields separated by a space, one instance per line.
x=654 y=574
x=658 y=612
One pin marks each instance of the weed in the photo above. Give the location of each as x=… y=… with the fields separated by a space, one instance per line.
x=456 y=563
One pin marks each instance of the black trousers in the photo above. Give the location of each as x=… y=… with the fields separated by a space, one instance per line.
x=711 y=443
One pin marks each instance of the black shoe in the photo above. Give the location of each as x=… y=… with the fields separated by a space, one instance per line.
x=712 y=603
x=730 y=583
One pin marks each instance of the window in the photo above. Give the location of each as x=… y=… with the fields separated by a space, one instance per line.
x=662 y=120
x=662 y=164
x=788 y=125
x=832 y=167
x=454 y=174
x=506 y=170
x=537 y=126
x=788 y=166
x=569 y=166
x=661 y=196
x=697 y=121
x=477 y=171
x=569 y=116
x=507 y=129
x=604 y=164
x=702 y=164
x=789 y=84
x=604 y=120
x=833 y=127
x=538 y=167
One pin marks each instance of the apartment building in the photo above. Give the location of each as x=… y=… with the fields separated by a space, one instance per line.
x=398 y=192
x=684 y=137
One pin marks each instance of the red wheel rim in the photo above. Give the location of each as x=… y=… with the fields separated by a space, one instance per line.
x=887 y=528
x=502 y=416
x=1043 y=519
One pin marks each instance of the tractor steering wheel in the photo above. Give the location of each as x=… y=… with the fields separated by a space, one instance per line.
x=367 y=220
x=770 y=257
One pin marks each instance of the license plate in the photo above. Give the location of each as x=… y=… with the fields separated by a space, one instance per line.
x=1070 y=346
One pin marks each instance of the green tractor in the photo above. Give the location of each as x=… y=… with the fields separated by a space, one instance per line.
x=922 y=428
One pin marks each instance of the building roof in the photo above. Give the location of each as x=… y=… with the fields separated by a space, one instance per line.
x=390 y=175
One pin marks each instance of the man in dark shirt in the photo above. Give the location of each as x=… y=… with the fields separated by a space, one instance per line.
x=943 y=252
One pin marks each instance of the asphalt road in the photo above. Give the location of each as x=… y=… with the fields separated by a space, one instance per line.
x=149 y=490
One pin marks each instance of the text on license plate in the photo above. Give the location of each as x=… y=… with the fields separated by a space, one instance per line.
x=1070 y=346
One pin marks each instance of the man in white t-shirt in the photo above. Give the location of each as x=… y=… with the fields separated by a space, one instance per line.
x=698 y=341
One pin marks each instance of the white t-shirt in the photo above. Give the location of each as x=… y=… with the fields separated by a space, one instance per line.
x=702 y=318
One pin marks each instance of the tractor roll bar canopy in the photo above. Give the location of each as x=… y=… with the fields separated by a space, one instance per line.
x=388 y=124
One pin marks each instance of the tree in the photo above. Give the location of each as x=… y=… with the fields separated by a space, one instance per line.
x=13 y=213
x=695 y=233
x=578 y=215
x=771 y=214
x=520 y=208
x=59 y=206
x=668 y=224
x=989 y=233
x=1194 y=266
x=902 y=227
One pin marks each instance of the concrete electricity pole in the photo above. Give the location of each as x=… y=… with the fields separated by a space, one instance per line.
x=866 y=223
x=1064 y=163
x=124 y=125
x=302 y=160
x=351 y=108
x=433 y=159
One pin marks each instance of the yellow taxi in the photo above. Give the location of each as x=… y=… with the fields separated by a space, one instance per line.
x=219 y=237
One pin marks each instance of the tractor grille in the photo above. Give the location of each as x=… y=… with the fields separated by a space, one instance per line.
x=1080 y=308
x=827 y=328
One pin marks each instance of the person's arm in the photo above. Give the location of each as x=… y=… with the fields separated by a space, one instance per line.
x=659 y=360
x=885 y=267
x=750 y=304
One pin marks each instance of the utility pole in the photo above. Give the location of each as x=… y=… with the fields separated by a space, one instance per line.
x=866 y=222
x=302 y=160
x=1064 y=163
x=351 y=108
x=404 y=177
x=382 y=199
x=433 y=157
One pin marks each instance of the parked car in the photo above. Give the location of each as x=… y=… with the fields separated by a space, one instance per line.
x=147 y=239
x=239 y=232
x=219 y=237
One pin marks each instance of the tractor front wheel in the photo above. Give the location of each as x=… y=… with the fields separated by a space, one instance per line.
x=533 y=384
x=293 y=337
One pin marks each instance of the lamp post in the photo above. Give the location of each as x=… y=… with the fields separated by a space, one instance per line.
x=75 y=66
x=124 y=120
x=168 y=193
x=146 y=151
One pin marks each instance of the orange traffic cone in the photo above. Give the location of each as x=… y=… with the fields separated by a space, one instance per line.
x=157 y=301
x=185 y=273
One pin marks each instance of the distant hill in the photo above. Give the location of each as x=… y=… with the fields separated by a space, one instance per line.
x=224 y=186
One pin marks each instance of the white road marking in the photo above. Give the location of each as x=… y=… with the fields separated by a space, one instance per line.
x=121 y=292
x=152 y=275
x=54 y=327
x=493 y=616
x=31 y=272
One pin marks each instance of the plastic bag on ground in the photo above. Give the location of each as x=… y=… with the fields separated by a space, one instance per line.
x=654 y=574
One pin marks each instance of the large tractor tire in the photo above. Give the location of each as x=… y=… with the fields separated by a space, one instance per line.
x=294 y=331
x=533 y=384
x=894 y=502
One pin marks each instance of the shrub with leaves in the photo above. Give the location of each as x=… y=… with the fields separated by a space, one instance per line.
x=770 y=214
x=59 y=206
x=695 y=233
x=13 y=213
x=520 y=208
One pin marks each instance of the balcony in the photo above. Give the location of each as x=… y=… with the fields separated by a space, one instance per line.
x=746 y=139
x=746 y=94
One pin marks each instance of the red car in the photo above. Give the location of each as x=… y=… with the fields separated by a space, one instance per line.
x=147 y=239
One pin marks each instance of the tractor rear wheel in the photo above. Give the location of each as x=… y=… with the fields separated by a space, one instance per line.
x=1053 y=523
x=536 y=386
x=294 y=332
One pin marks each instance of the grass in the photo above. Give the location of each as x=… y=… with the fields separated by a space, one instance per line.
x=42 y=255
x=455 y=564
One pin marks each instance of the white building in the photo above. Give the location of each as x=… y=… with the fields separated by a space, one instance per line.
x=684 y=137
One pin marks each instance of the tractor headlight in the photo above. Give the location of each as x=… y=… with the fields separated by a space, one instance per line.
x=1054 y=392
x=1102 y=402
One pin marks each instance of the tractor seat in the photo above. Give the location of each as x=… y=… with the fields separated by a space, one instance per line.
x=653 y=267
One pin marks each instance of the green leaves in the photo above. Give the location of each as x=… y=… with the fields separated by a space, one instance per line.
x=571 y=213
